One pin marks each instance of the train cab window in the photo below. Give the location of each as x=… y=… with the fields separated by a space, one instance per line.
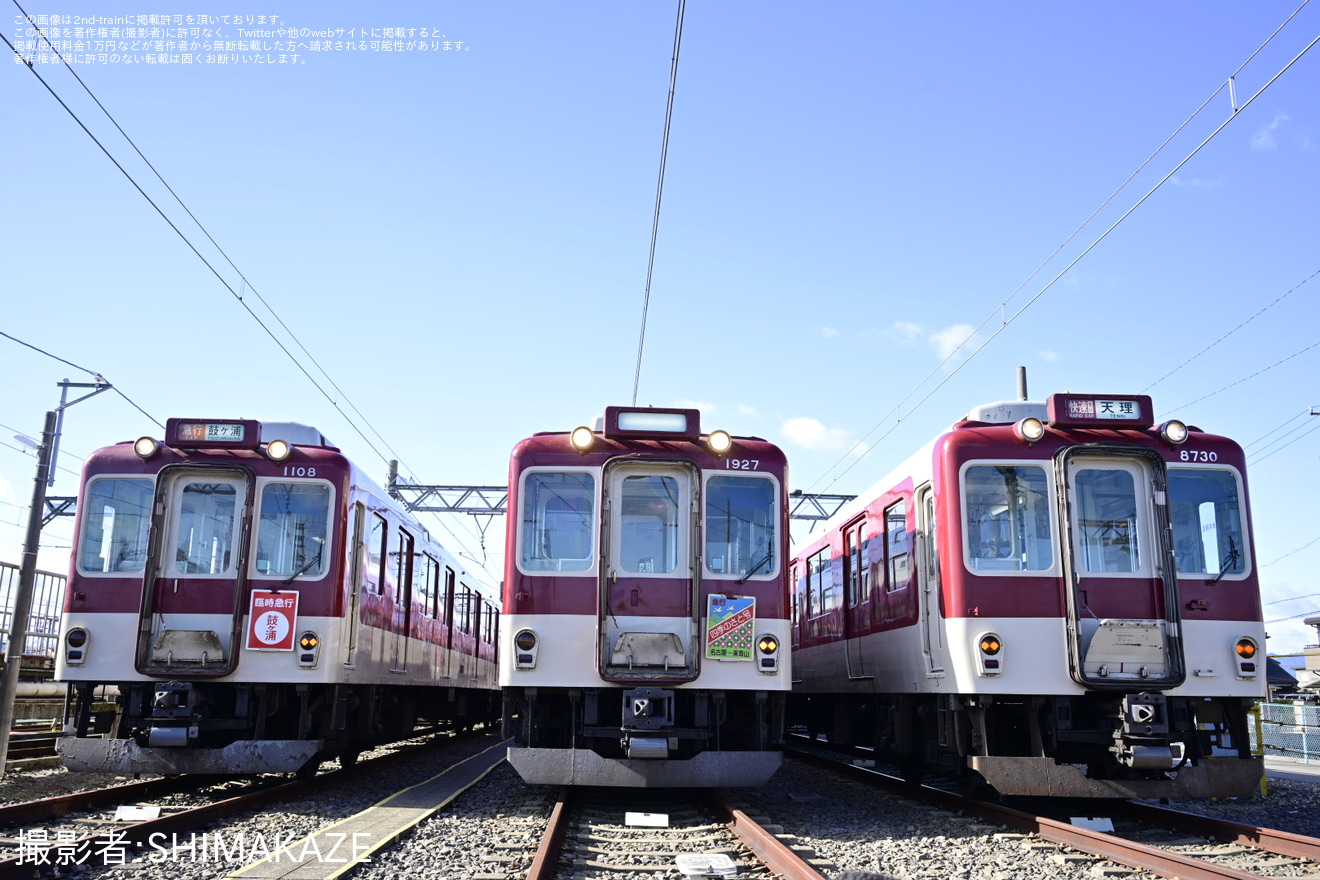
x=558 y=511
x=1007 y=519
x=739 y=522
x=1109 y=538
x=115 y=525
x=1207 y=522
x=897 y=545
x=206 y=527
x=380 y=532
x=293 y=527
x=649 y=525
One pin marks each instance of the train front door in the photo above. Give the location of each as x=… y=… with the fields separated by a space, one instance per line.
x=648 y=598
x=1123 y=605
x=857 y=598
x=195 y=576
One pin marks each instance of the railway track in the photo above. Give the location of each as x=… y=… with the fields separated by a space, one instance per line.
x=1165 y=842
x=601 y=833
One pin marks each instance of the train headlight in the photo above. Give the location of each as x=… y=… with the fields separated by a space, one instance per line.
x=767 y=653
x=309 y=648
x=1173 y=432
x=719 y=442
x=75 y=646
x=1029 y=430
x=278 y=450
x=582 y=438
x=1246 y=650
x=146 y=447
x=989 y=654
x=525 y=648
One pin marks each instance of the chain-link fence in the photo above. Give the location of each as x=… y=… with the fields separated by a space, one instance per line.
x=44 y=621
x=1288 y=730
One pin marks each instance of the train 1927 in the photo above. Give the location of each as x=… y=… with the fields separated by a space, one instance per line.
x=644 y=639
x=243 y=599
x=1054 y=599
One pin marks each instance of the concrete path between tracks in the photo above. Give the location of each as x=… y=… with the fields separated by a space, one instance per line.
x=1278 y=767
x=338 y=848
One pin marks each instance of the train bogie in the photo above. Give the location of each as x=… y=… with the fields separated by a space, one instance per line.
x=646 y=605
x=1052 y=598
x=242 y=599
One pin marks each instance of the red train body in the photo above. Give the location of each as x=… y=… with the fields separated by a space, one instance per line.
x=646 y=603
x=1054 y=599
x=241 y=598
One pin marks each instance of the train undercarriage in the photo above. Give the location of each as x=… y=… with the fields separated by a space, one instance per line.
x=644 y=736
x=175 y=727
x=1099 y=744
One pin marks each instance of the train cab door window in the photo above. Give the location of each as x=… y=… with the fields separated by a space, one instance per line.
x=896 y=546
x=1007 y=518
x=648 y=524
x=116 y=520
x=1109 y=520
x=558 y=511
x=401 y=619
x=739 y=523
x=294 y=521
x=379 y=550
x=1206 y=515
x=206 y=526
x=928 y=580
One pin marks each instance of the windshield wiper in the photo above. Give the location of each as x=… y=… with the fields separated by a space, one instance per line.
x=769 y=555
x=315 y=560
x=1230 y=561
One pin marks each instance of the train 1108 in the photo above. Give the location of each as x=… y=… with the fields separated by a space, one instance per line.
x=645 y=627
x=243 y=599
x=1054 y=598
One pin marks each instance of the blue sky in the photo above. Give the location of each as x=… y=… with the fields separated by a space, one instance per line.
x=460 y=238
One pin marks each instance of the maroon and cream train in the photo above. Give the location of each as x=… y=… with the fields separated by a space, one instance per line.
x=645 y=604
x=255 y=603
x=1052 y=598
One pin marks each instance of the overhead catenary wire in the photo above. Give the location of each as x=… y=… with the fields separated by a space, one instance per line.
x=659 y=193
x=860 y=450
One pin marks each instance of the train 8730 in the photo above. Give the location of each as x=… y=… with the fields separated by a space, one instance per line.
x=644 y=634
x=1051 y=598
x=242 y=598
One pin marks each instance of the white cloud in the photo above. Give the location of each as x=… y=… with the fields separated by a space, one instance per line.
x=1264 y=138
x=745 y=410
x=948 y=340
x=827 y=332
x=905 y=332
x=812 y=434
x=1048 y=355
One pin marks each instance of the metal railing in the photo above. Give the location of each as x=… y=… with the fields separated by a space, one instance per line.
x=43 y=630
x=1288 y=730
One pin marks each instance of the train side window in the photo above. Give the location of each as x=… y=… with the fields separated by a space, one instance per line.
x=403 y=563
x=379 y=551
x=824 y=591
x=739 y=526
x=857 y=559
x=447 y=600
x=897 y=545
x=462 y=610
x=1006 y=518
x=430 y=584
x=115 y=525
x=1206 y=516
x=294 y=524
x=558 y=521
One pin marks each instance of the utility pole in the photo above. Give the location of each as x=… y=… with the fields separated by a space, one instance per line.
x=27 y=572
